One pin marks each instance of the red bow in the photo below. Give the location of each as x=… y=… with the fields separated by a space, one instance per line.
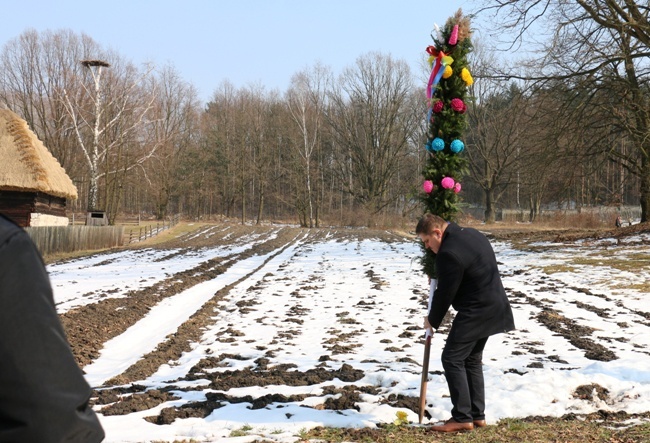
x=431 y=50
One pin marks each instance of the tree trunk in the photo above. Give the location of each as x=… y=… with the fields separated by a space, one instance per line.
x=490 y=209
x=645 y=189
x=302 y=218
x=309 y=196
x=535 y=204
x=243 y=206
x=161 y=210
x=93 y=191
x=260 y=207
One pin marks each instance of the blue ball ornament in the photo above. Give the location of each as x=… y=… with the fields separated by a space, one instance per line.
x=457 y=146
x=429 y=147
x=438 y=144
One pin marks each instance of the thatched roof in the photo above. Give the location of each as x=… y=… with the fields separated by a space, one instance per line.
x=26 y=164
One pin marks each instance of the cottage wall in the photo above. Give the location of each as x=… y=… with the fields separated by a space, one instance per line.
x=38 y=219
x=33 y=208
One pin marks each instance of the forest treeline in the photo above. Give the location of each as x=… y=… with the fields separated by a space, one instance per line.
x=338 y=148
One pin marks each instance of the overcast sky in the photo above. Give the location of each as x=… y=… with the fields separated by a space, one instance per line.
x=244 y=41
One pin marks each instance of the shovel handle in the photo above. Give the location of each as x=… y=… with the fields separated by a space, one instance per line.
x=425 y=378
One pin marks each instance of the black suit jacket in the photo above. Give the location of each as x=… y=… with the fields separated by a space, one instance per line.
x=468 y=280
x=43 y=394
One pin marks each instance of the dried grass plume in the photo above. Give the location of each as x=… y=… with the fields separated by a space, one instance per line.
x=463 y=22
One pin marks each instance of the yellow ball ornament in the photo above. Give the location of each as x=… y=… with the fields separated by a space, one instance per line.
x=467 y=77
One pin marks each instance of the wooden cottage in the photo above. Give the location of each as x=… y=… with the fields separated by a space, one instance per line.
x=33 y=185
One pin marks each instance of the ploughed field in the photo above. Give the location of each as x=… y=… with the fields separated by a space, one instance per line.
x=277 y=329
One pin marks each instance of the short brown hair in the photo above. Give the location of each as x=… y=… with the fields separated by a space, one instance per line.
x=428 y=223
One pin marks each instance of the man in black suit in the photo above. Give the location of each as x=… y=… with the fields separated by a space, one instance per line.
x=467 y=279
x=43 y=394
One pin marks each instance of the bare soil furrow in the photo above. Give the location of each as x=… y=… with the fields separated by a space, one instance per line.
x=342 y=339
x=88 y=327
x=192 y=329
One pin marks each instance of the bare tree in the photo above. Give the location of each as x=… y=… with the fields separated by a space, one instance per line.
x=239 y=124
x=172 y=129
x=305 y=100
x=262 y=132
x=220 y=133
x=371 y=124
x=601 y=47
x=497 y=141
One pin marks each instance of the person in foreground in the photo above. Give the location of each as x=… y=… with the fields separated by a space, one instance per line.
x=467 y=279
x=43 y=394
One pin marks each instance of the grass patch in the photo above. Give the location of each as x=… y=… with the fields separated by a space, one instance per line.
x=62 y=256
x=507 y=430
x=639 y=287
x=631 y=262
x=552 y=269
x=176 y=441
x=241 y=432
x=178 y=230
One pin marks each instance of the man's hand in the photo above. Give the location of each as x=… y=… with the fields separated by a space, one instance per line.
x=427 y=326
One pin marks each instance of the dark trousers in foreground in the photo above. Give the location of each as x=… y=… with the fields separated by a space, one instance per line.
x=463 y=367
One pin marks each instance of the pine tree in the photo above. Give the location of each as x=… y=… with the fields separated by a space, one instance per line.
x=446 y=119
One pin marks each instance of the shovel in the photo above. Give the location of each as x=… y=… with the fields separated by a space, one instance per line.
x=425 y=361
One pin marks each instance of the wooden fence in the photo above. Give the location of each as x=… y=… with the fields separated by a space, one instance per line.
x=61 y=239
x=606 y=214
x=140 y=233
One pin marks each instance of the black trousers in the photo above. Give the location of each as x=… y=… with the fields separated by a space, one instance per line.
x=463 y=365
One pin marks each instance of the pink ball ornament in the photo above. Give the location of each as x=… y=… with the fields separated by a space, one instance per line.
x=428 y=186
x=438 y=106
x=447 y=183
x=458 y=105
x=457 y=188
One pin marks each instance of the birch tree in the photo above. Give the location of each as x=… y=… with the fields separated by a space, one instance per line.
x=101 y=106
x=305 y=100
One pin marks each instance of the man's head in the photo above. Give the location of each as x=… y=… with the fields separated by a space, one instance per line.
x=430 y=229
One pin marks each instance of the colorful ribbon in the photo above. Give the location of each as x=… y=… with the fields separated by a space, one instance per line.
x=441 y=61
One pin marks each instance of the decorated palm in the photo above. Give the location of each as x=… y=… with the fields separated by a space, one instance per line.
x=446 y=121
